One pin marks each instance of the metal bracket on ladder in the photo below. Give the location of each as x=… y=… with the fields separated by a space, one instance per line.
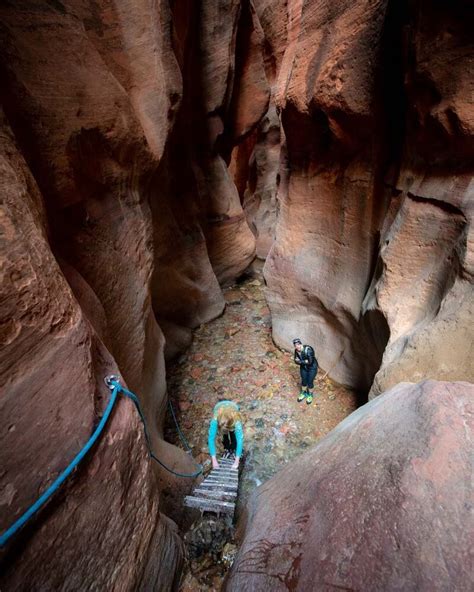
x=218 y=492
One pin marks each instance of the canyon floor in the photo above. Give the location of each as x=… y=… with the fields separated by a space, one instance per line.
x=234 y=357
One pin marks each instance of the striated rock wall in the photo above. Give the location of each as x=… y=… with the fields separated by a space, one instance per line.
x=148 y=151
x=225 y=95
x=378 y=504
x=120 y=218
x=423 y=283
x=321 y=261
x=52 y=367
x=371 y=261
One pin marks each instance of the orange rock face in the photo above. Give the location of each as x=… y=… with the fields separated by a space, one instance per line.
x=148 y=152
x=423 y=282
x=110 y=259
x=373 y=257
x=53 y=362
x=363 y=511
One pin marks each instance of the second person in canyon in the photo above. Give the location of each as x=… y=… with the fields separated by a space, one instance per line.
x=306 y=360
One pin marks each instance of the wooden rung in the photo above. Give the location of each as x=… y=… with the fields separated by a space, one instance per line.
x=225 y=477
x=231 y=472
x=225 y=467
x=218 y=486
x=225 y=483
x=222 y=495
x=209 y=505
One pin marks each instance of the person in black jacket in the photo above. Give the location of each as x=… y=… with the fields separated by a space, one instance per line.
x=306 y=360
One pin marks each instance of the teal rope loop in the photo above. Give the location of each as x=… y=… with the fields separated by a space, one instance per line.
x=116 y=387
x=178 y=429
x=135 y=400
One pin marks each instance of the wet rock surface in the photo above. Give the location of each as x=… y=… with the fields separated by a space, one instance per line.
x=381 y=503
x=234 y=357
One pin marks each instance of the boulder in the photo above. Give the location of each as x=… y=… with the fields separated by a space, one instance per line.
x=381 y=503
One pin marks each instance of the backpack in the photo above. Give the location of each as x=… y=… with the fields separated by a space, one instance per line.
x=309 y=351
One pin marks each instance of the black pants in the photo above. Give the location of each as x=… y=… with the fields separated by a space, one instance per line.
x=230 y=442
x=308 y=375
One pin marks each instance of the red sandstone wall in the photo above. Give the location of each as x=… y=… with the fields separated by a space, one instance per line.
x=389 y=515
x=110 y=259
x=372 y=261
x=148 y=151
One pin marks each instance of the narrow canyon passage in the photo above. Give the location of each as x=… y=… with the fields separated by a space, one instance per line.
x=234 y=357
x=149 y=153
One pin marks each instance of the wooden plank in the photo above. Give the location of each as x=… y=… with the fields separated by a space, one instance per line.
x=221 y=482
x=215 y=491
x=233 y=482
x=219 y=486
x=225 y=467
x=209 y=505
x=222 y=495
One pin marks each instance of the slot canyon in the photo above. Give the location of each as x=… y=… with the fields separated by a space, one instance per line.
x=187 y=186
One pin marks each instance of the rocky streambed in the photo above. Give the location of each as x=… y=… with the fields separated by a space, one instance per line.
x=234 y=357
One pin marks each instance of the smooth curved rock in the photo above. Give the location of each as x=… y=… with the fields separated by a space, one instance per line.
x=381 y=503
x=138 y=149
x=425 y=284
x=93 y=94
x=225 y=96
x=320 y=265
x=255 y=166
x=374 y=235
x=52 y=368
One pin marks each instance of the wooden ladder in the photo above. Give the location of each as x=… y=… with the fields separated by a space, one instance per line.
x=218 y=492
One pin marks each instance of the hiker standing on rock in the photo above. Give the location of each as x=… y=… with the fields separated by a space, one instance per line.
x=227 y=419
x=306 y=360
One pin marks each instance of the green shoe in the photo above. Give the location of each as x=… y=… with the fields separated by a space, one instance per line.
x=309 y=399
x=302 y=396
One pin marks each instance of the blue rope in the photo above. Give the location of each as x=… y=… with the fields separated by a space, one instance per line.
x=4 y=538
x=180 y=433
x=134 y=398
x=32 y=510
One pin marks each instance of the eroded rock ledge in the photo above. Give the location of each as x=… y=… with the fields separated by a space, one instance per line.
x=378 y=504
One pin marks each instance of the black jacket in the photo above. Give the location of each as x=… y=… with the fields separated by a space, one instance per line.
x=306 y=358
